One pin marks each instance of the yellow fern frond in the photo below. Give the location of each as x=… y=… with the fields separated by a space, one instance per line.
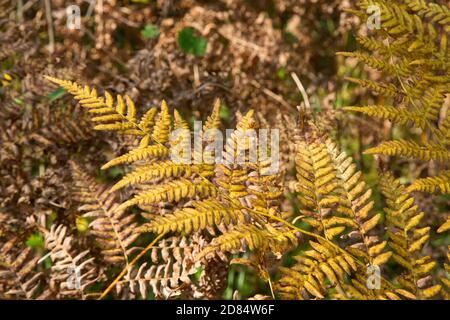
x=335 y=200
x=233 y=181
x=399 y=115
x=411 y=49
x=406 y=237
x=199 y=216
x=438 y=13
x=439 y=183
x=445 y=226
x=411 y=149
x=165 y=169
x=316 y=187
x=179 y=122
x=397 y=69
x=267 y=238
x=358 y=289
x=388 y=90
x=308 y=277
x=172 y=191
x=119 y=115
x=232 y=176
x=150 y=152
x=446 y=280
x=163 y=125
x=355 y=204
x=213 y=121
x=148 y=119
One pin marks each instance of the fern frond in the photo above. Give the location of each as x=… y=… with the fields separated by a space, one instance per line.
x=399 y=115
x=355 y=204
x=316 y=187
x=312 y=272
x=407 y=238
x=18 y=278
x=380 y=47
x=358 y=289
x=173 y=263
x=171 y=192
x=213 y=120
x=73 y=272
x=163 y=125
x=446 y=280
x=413 y=41
x=443 y=133
x=253 y=237
x=431 y=101
x=146 y=153
x=148 y=119
x=411 y=149
x=378 y=64
x=119 y=115
x=439 y=183
x=436 y=12
x=231 y=176
x=199 y=216
x=396 y=19
x=233 y=181
x=114 y=230
x=445 y=226
x=165 y=169
x=388 y=90
x=336 y=200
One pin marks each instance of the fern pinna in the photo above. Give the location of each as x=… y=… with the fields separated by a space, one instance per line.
x=410 y=47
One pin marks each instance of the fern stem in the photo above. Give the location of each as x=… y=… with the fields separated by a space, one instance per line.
x=302 y=90
x=125 y=270
x=271 y=287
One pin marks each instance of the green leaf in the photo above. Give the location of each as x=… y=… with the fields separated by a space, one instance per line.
x=225 y=112
x=190 y=43
x=18 y=101
x=150 y=31
x=35 y=241
x=281 y=73
x=58 y=93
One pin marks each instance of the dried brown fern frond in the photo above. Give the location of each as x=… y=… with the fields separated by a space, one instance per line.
x=18 y=276
x=168 y=274
x=213 y=278
x=114 y=231
x=59 y=128
x=72 y=272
